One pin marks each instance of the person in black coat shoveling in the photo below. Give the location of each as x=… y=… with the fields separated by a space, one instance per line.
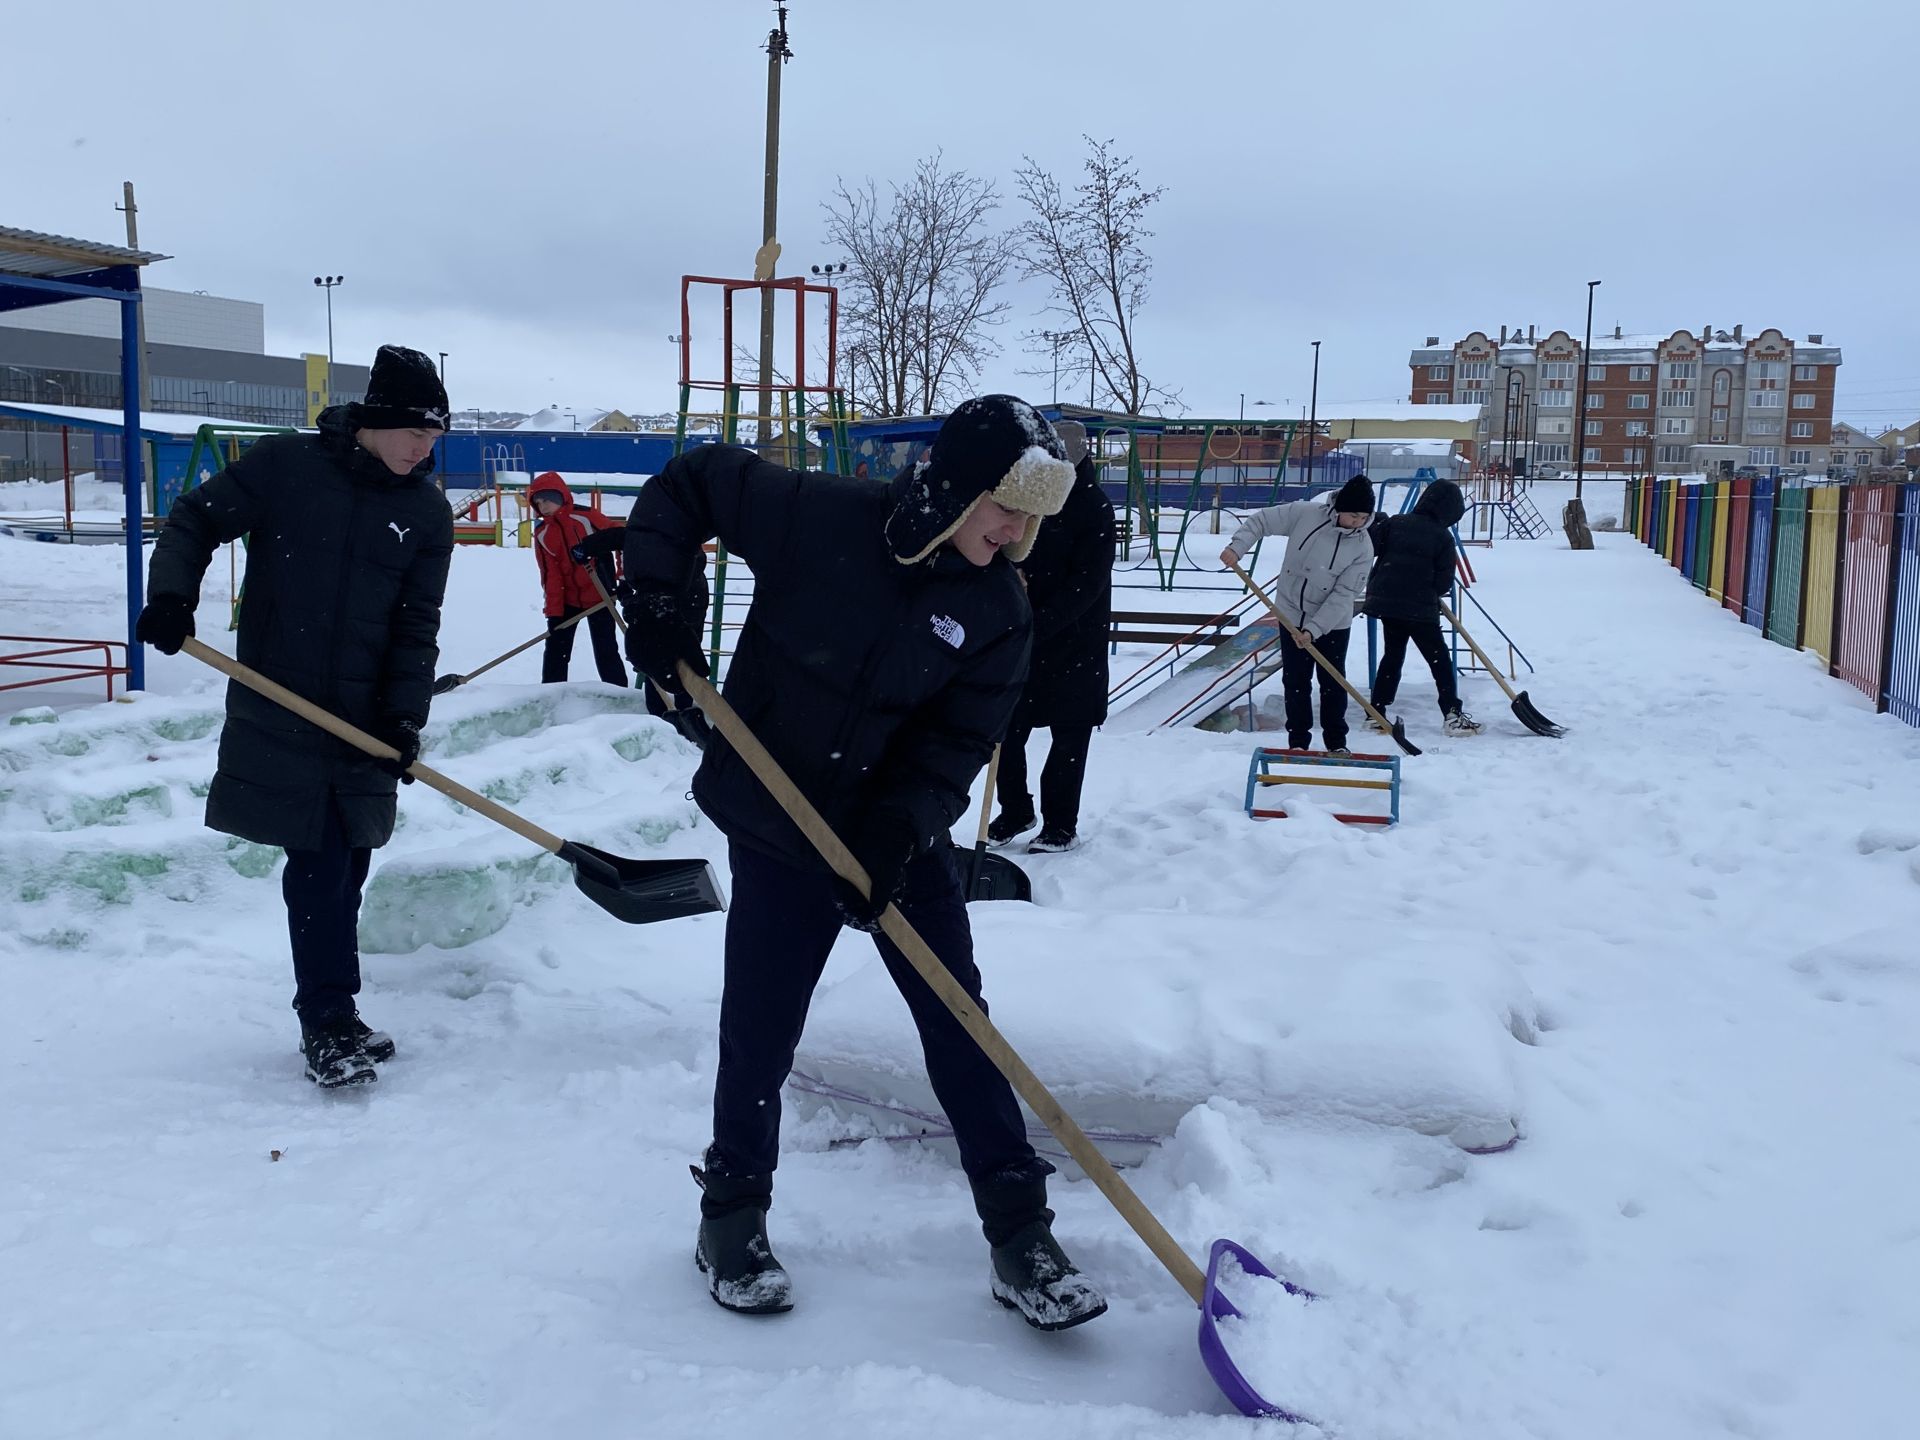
x=1069 y=579
x=1321 y=579
x=880 y=658
x=1412 y=572
x=348 y=543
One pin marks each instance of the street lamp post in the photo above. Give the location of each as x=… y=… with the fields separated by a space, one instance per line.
x=327 y=283
x=1313 y=413
x=828 y=272
x=1586 y=371
x=1506 y=423
x=1055 y=339
x=1574 y=521
x=443 y=369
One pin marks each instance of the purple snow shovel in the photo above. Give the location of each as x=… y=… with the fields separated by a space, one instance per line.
x=1213 y=1349
x=1203 y=1289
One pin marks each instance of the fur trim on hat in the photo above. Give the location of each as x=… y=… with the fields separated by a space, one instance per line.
x=1038 y=484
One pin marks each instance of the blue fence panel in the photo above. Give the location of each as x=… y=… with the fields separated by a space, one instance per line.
x=1753 y=604
x=1903 y=669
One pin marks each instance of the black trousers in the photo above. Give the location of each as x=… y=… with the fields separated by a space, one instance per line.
x=781 y=926
x=1297 y=672
x=558 y=655
x=322 y=889
x=1060 y=780
x=1427 y=639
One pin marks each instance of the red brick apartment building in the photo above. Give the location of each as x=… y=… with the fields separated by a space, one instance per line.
x=1673 y=403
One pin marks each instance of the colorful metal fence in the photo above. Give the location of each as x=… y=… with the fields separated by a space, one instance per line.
x=1901 y=692
x=1829 y=569
x=1789 y=566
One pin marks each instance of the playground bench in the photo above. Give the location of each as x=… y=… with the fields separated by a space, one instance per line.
x=1161 y=627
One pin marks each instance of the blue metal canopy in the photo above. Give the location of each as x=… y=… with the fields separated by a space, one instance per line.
x=39 y=269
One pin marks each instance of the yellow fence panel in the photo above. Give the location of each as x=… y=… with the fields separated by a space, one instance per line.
x=1823 y=578
x=1722 y=514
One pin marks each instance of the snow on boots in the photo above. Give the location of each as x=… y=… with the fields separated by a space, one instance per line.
x=1461 y=723
x=1031 y=1274
x=733 y=1251
x=336 y=1055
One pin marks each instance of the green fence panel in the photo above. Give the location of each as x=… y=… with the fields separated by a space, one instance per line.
x=1789 y=567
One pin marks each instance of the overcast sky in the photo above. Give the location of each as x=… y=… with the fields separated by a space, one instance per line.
x=523 y=185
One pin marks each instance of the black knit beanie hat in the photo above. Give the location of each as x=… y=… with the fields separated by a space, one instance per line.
x=994 y=445
x=403 y=393
x=1355 y=497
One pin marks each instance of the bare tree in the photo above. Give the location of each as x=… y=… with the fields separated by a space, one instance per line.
x=919 y=300
x=1090 y=247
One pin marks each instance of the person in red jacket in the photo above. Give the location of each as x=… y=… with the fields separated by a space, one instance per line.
x=567 y=584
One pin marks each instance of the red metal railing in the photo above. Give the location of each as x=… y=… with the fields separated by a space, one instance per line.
x=56 y=646
x=1869 y=524
x=1739 y=523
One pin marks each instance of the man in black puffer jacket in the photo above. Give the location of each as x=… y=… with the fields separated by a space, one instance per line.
x=1069 y=579
x=1412 y=572
x=880 y=659
x=348 y=543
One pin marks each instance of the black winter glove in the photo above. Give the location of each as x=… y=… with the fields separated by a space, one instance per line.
x=404 y=736
x=885 y=845
x=600 y=545
x=658 y=636
x=165 y=624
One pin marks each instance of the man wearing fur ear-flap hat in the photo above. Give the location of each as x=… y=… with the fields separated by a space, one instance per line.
x=880 y=659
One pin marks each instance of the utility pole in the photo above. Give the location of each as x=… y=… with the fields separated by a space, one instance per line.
x=763 y=262
x=132 y=212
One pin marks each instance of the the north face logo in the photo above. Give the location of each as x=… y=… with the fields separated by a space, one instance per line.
x=950 y=630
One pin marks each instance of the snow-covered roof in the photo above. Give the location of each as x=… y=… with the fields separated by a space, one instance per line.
x=1400 y=411
x=564 y=417
x=159 y=424
x=1415 y=446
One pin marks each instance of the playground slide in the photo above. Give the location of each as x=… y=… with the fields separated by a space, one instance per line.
x=1204 y=685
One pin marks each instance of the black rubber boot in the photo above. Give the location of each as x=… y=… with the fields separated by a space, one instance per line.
x=733 y=1251
x=1031 y=1273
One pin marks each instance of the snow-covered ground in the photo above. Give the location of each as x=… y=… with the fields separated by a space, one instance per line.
x=1672 y=953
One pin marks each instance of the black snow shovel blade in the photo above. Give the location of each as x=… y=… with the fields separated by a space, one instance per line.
x=1527 y=715
x=1399 y=733
x=641 y=892
x=992 y=877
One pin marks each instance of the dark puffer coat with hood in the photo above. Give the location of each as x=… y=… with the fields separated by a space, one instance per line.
x=1414 y=556
x=876 y=663
x=346 y=570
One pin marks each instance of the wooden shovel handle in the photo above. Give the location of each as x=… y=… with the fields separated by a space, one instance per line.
x=360 y=740
x=986 y=805
x=1300 y=639
x=528 y=645
x=800 y=810
x=1472 y=645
